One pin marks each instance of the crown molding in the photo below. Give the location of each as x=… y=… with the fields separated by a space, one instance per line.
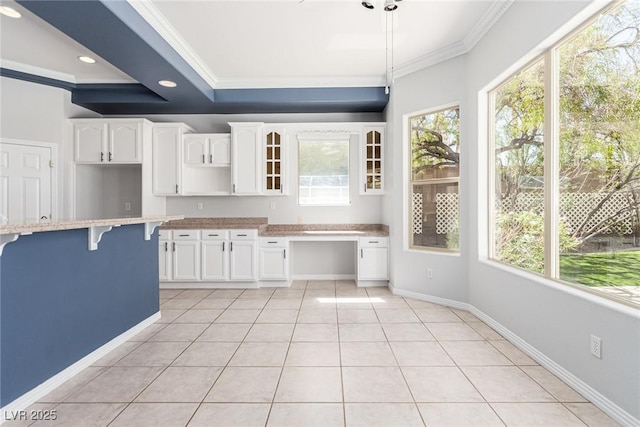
x=486 y=21
x=484 y=24
x=42 y=72
x=159 y=22
x=430 y=59
x=302 y=82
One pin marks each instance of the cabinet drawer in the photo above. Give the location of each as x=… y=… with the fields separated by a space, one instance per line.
x=368 y=242
x=215 y=235
x=273 y=242
x=164 y=234
x=185 y=235
x=243 y=234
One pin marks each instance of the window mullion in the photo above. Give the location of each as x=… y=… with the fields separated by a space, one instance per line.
x=551 y=163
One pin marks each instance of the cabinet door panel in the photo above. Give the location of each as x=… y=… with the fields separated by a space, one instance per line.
x=125 y=143
x=242 y=260
x=186 y=260
x=373 y=264
x=220 y=149
x=166 y=150
x=215 y=260
x=90 y=141
x=164 y=259
x=247 y=161
x=196 y=150
x=273 y=264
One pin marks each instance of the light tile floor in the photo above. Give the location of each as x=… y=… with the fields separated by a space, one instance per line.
x=299 y=357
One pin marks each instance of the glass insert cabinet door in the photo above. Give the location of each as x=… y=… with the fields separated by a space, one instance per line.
x=372 y=160
x=274 y=154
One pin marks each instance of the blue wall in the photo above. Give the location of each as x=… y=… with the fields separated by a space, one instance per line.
x=59 y=301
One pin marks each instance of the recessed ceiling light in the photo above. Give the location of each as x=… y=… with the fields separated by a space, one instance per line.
x=167 y=83
x=368 y=4
x=10 y=12
x=87 y=59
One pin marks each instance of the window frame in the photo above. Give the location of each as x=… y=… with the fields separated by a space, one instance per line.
x=551 y=165
x=433 y=181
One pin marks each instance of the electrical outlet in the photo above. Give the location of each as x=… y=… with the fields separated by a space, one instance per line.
x=200 y=206
x=596 y=346
x=127 y=206
x=429 y=273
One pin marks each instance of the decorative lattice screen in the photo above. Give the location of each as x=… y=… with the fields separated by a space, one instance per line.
x=416 y=212
x=447 y=209
x=575 y=208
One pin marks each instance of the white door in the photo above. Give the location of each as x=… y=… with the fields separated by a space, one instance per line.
x=247 y=160
x=215 y=260
x=221 y=150
x=25 y=184
x=242 y=260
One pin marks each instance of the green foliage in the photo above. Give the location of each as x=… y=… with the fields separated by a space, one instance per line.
x=520 y=240
x=316 y=157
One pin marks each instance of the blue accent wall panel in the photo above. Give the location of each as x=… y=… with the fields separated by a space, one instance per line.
x=59 y=301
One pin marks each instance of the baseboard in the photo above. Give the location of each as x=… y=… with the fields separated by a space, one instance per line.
x=209 y=285
x=603 y=403
x=32 y=396
x=436 y=300
x=324 y=277
x=607 y=406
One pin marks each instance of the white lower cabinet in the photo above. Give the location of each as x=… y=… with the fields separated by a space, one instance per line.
x=242 y=256
x=274 y=259
x=373 y=259
x=215 y=255
x=208 y=255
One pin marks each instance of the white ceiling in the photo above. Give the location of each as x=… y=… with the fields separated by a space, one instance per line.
x=285 y=43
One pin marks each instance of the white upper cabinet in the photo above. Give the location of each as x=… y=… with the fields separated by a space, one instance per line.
x=246 y=158
x=372 y=160
x=275 y=161
x=207 y=164
x=167 y=158
x=108 y=141
x=207 y=149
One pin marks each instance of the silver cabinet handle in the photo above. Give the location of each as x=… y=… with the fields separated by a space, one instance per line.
x=284 y=251
x=361 y=253
x=373 y=241
x=272 y=242
x=242 y=235
x=101 y=156
x=110 y=156
x=231 y=246
x=212 y=235
x=210 y=158
x=203 y=161
x=365 y=187
x=166 y=246
x=176 y=188
x=174 y=246
x=183 y=235
x=223 y=246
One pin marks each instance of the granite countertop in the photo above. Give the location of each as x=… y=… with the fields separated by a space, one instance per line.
x=86 y=223
x=215 y=223
x=279 y=230
x=288 y=230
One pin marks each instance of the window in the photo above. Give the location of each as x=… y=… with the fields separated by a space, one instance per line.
x=566 y=190
x=323 y=172
x=435 y=174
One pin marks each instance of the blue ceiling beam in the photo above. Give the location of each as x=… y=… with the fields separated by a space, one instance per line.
x=114 y=30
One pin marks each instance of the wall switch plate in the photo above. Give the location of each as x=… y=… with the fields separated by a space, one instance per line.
x=127 y=206
x=596 y=346
x=200 y=206
x=429 y=273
